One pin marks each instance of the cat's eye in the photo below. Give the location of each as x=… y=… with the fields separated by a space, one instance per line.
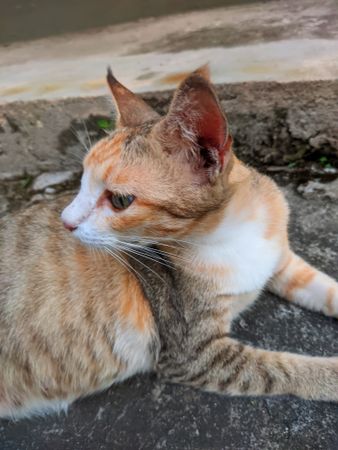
x=120 y=202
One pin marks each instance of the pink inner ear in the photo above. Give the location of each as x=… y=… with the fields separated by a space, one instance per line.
x=196 y=116
x=210 y=125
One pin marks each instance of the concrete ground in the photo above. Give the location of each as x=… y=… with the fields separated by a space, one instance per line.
x=40 y=147
x=272 y=40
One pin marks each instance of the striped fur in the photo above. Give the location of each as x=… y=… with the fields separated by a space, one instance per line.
x=157 y=285
x=198 y=350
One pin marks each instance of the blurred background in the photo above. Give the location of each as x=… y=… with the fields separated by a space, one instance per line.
x=53 y=49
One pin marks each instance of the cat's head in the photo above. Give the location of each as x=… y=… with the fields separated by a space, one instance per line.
x=154 y=176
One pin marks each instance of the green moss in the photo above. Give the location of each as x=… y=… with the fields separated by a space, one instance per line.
x=25 y=182
x=105 y=124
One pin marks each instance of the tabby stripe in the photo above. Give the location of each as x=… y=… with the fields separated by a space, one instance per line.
x=244 y=386
x=223 y=357
x=269 y=382
x=234 y=372
x=239 y=350
x=280 y=366
x=214 y=338
x=198 y=379
x=224 y=352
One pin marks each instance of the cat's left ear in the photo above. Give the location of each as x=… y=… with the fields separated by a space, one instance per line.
x=196 y=121
x=132 y=110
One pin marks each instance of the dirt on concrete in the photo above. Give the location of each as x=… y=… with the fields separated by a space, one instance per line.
x=289 y=131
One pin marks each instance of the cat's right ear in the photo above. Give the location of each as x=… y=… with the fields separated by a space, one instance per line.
x=132 y=110
x=196 y=128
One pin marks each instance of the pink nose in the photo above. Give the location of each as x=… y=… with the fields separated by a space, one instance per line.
x=68 y=226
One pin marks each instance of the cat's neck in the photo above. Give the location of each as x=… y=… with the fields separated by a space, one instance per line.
x=234 y=247
x=238 y=208
x=212 y=231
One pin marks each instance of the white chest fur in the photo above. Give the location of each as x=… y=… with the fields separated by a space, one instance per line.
x=133 y=347
x=239 y=247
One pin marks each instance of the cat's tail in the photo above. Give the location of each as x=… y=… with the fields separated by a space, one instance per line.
x=298 y=282
x=226 y=366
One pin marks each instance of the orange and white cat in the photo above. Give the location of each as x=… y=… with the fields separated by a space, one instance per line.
x=187 y=237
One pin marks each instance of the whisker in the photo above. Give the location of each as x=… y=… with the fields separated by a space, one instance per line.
x=87 y=133
x=180 y=241
x=153 y=239
x=159 y=252
x=174 y=259
x=151 y=257
x=78 y=137
x=76 y=157
x=142 y=248
x=139 y=247
x=149 y=268
x=157 y=239
x=124 y=263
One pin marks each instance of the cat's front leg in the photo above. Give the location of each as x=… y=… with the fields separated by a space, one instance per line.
x=226 y=366
x=299 y=282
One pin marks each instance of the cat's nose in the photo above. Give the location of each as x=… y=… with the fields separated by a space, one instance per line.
x=68 y=226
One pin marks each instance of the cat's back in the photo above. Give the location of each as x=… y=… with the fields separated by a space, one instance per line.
x=63 y=309
x=27 y=237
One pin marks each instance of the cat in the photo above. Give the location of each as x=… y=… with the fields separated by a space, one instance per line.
x=169 y=238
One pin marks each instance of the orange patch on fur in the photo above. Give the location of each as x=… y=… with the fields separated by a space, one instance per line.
x=123 y=177
x=126 y=307
x=210 y=271
x=329 y=300
x=81 y=258
x=300 y=278
x=203 y=226
x=124 y=221
x=252 y=192
x=276 y=216
x=134 y=308
x=104 y=149
x=107 y=173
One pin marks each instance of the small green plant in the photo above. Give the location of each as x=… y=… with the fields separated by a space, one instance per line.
x=26 y=182
x=324 y=162
x=105 y=124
